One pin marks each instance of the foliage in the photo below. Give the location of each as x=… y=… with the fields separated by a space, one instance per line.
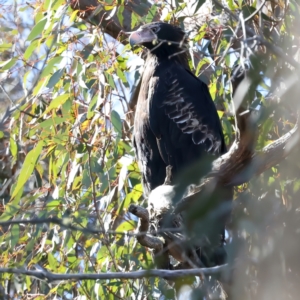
x=66 y=151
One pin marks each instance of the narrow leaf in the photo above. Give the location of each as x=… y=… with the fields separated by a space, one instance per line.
x=5 y=65
x=37 y=29
x=15 y=235
x=30 y=49
x=55 y=78
x=57 y=102
x=13 y=147
x=28 y=167
x=120 y=14
x=116 y=121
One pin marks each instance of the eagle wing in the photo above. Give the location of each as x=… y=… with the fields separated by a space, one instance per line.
x=183 y=117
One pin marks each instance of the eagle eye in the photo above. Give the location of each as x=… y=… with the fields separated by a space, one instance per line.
x=155 y=29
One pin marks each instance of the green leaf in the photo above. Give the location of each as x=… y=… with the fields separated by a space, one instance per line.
x=37 y=29
x=151 y=14
x=39 y=16
x=14 y=236
x=1 y=134
x=57 y=102
x=5 y=65
x=110 y=80
x=12 y=207
x=41 y=84
x=73 y=16
x=33 y=46
x=116 y=121
x=120 y=14
x=92 y=106
x=5 y=46
x=28 y=167
x=52 y=122
x=121 y=75
x=232 y=5
x=56 y=4
x=52 y=261
x=134 y=19
x=55 y=78
x=202 y=62
x=125 y=226
x=54 y=203
x=13 y=147
x=51 y=64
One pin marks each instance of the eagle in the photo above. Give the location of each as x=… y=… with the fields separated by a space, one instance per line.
x=176 y=122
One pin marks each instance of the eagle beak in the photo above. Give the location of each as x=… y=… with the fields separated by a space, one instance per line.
x=142 y=36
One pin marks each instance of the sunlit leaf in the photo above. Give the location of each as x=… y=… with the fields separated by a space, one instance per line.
x=37 y=29
x=134 y=20
x=41 y=85
x=50 y=65
x=13 y=147
x=5 y=65
x=30 y=49
x=151 y=14
x=5 y=46
x=52 y=261
x=28 y=167
x=73 y=16
x=57 y=102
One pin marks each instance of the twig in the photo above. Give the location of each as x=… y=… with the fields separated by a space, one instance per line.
x=276 y=50
x=66 y=223
x=256 y=11
x=49 y=277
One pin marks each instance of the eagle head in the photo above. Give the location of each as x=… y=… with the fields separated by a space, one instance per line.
x=159 y=37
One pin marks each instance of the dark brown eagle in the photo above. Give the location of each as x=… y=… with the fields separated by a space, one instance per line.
x=176 y=121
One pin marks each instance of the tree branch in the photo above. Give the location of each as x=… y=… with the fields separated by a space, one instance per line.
x=49 y=277
x=93 y=12
x=66 y=223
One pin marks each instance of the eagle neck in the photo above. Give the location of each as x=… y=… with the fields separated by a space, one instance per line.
x=158 y=58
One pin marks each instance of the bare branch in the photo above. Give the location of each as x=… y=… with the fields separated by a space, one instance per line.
x=49 y=277
x=66 y=223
